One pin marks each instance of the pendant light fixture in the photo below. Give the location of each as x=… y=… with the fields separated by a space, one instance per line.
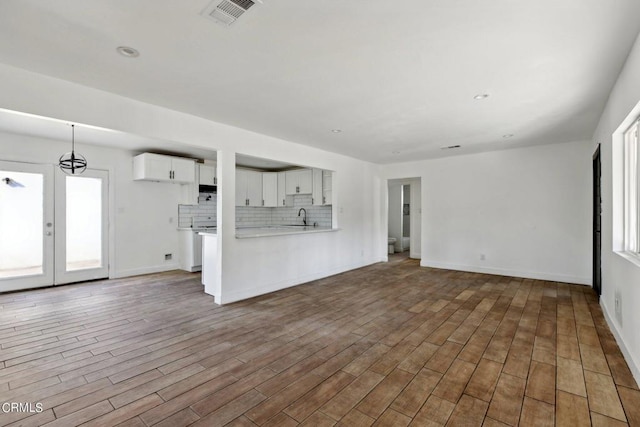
x=72 y=163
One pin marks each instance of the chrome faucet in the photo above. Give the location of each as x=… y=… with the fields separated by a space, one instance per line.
x=304 y=218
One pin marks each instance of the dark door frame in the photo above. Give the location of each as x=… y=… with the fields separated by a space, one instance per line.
x=597 y=223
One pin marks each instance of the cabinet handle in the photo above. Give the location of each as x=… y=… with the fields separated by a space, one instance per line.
x=297 y=189
x=170 y=175
x=312 y=201
x=282 y=202
x=215 y=180
x=262 y=202
x=324 y=200
x=247 y=202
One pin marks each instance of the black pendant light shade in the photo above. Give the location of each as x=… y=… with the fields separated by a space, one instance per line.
x=72 y=163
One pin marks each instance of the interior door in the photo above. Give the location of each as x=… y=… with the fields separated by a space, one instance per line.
x=597 y=224
x=81 y=235
x=26 y=226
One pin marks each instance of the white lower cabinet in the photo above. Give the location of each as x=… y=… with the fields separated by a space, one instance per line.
x=190 y=250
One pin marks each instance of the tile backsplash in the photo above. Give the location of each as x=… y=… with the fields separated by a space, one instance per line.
x=284 y=215
x=201 y=215
x=204 y=213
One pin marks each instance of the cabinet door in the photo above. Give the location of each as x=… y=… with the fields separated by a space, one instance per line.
x=254 y=188
x=184 y=170
x=316 y=195
x=197 y=250
x=270 y=189
x=241 y=187
x=305 y=181
x=152 y=167
x=282 y=191
x=327 y=182
x=291 y=184
x=207 y=174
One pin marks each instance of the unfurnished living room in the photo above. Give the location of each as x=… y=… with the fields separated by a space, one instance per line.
x=330 y=213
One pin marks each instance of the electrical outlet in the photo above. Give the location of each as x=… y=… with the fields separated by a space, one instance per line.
x=618 y=306
x=167 y=257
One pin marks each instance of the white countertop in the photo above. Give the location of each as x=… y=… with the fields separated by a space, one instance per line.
x=275 y=230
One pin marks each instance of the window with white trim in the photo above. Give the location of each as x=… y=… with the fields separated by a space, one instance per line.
x=632 y=189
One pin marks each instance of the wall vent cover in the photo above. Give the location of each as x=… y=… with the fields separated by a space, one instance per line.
x=226 y=12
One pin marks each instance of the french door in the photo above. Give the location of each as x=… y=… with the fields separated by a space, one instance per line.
x=81 y=227
x=53 y=227
x=26 y=226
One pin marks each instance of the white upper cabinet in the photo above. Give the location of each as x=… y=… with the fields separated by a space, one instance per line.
x=299 y=181
x=248 y=188
x=316 y=195
x=270 y=189
x=157 y=167
x=207 y=174
x=282 y=190
x=327 y=187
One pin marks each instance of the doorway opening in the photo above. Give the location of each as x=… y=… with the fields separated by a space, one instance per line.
x=404 y=217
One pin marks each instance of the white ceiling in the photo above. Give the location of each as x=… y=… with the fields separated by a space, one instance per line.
x=393 y=76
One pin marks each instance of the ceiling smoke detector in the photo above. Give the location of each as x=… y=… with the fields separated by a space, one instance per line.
x=226 y=12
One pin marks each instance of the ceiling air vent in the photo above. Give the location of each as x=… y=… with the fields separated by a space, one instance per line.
x=226 y=12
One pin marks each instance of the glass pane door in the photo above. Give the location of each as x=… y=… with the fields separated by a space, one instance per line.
x=26 y=226
x=81 y=221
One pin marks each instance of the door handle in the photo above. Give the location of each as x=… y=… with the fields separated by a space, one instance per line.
x=48 y=233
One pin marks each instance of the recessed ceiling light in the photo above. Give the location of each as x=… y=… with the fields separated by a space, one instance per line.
x=395 y=152
x=508 y=135
x=336 y=130
x=127 y=51
x=481 y=96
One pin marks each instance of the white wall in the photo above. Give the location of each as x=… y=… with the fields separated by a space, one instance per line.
x=527 y=210
x=356 y=185
x=141 y=229
x=619 y=274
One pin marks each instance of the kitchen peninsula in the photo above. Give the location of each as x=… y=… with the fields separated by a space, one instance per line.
x=292 y=242
x=282 y=220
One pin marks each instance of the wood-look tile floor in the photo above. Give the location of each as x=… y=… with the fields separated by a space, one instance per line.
x=391 y=344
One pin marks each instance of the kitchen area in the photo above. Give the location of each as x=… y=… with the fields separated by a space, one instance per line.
x=272 y=200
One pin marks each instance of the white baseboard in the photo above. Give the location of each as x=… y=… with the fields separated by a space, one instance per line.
x=553 y=277
x=145 y=270
x=634 y=366
x=230 y=297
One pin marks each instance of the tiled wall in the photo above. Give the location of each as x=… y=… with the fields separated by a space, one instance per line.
x=284 y=215
x=204 y=213
x=200 y=215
